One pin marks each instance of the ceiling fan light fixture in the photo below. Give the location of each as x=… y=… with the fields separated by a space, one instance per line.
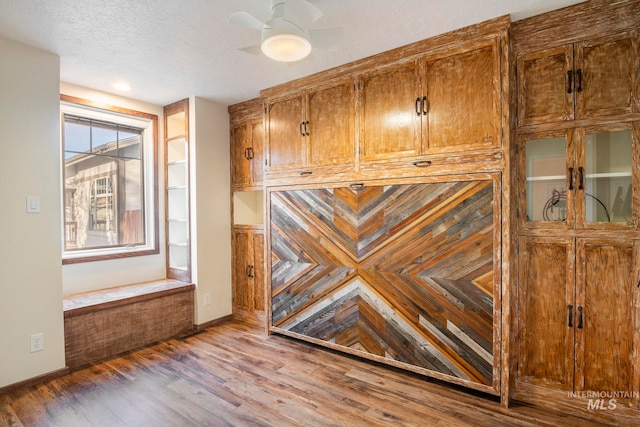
x=286 y=47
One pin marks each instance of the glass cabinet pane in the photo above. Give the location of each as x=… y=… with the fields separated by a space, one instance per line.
x=546 y=183
x=607 y=176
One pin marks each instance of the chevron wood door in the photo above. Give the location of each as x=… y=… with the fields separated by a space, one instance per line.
x=403 y=274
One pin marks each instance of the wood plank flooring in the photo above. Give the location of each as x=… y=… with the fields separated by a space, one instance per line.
x=234 y=374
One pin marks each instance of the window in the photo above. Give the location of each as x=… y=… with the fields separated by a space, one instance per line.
x=109 y=180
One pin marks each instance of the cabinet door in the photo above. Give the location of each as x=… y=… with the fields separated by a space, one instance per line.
x=545 y=79
x=331 y=116
x=606 y=72
x=257 y=250
x=607 y=291
x=257 y=153
x=546 y=312
x=240 y=162
x=463 y=100
x=605 y=176
x=390 y=117
x=242 y=296
x=285 y=133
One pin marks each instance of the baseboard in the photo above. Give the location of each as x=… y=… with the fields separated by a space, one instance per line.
x=35 y=380
x=211 y=323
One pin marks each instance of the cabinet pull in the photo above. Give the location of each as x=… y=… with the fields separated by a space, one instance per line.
x=422 y=163
x=249 y=271
x=418 y=113
x=570 y=81
x=579 y=75
x=306 y=128
x=424 y=105
x=580 y=317
x=246 y=153
x=570 y=315
x=570 y=178
x=357 y=186
x=580 y=178
x=250 y=153
x=305 y=173
x=300 y=127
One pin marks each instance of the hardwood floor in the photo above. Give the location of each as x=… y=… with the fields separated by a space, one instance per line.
x=234 y=374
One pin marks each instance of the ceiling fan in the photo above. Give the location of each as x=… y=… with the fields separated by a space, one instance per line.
x=286 y=36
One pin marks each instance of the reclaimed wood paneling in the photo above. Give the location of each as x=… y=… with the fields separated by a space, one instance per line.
x=403 y=272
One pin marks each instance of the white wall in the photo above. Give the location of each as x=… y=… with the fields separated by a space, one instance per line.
x=88 y=276
x=210 y=208
x=31 y=283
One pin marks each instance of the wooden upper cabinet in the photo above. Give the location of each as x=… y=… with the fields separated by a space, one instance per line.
x=606 y=70
x=247 y=156
x=390 y=113
x=329 y=126
x=542 y=86
x=463 y=100
x=584 y=80
x=436 y=104
x=313 y=128
x=285 y=133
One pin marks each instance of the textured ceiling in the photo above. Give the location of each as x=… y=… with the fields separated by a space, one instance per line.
x=171 y=49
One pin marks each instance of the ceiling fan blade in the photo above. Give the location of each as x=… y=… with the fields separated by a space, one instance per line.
x=301 y=12
x=253 y=50
x=247 y=20
x=326 y=38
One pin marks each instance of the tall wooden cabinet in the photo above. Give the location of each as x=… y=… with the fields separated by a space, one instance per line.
x=247 y=184
x=578 y=209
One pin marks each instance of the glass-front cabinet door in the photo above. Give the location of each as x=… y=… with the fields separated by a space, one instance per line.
x=605 y=176
x=548 y=180
x=580 y=178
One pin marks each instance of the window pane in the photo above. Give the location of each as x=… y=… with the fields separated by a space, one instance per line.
x=76 y=138
x=104 y=140
x=608 y=186
x=104 y=191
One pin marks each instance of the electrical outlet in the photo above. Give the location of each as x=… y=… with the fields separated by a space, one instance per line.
x=207 y=298
x=37 y=342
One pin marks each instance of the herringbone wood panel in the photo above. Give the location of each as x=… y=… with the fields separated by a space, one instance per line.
x=402 y=271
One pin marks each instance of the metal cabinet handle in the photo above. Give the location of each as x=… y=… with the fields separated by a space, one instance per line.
x=570 y=178
x=579 y=317
x=422 y=163
x=250 y=153
x=249 y=271
x=357 y=186
x=579 y=75
x=306 y=128
x=570 y=316
x=300 y=128
x=424 y=105
x=581 y=178
x=305 y=173
x=418 y=113
x=570 y=81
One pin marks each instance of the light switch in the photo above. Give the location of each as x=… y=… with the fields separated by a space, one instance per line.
x=33 y=204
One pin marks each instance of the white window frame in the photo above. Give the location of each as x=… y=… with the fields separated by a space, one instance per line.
x=149 y=124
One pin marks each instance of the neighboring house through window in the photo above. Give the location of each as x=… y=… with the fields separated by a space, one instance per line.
x=110 y=182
